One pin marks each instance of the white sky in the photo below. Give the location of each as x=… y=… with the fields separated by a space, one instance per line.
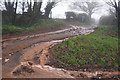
x=62 y=7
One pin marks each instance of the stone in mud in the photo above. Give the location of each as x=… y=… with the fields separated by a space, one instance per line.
x=22 y=70
x=64 y=71
x=26 y=69
x=17 y=72
x=30 y=63
x=36 y=59
x=83 y=75
x=6 y=60
x=75 y=75
x=99 y=75
x=41 y=51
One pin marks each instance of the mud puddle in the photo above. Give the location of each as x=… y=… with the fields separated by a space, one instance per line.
x=32 y=57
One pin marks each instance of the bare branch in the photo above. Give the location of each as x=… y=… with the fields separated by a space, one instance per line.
x=87 y=7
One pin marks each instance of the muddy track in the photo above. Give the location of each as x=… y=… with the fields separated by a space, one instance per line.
x=16 y=44
x=27 y=56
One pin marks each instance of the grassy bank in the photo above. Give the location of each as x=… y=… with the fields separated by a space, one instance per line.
x=96 y=50
x=43 y=23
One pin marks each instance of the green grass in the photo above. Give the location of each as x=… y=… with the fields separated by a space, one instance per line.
x=98 y=49
x=42 y=23
x=10 y=29
x=48 y=23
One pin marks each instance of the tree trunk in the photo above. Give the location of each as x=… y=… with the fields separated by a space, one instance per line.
x=11 y=11
x=48 y=9
x=118 y=14
x=29 y=7
x=23 y=7
x=118 y=19
x=89 y=15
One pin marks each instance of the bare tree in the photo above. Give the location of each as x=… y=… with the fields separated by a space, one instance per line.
x=29 y=4
x=37 y=7
x=23 y=7
x=116 y=6
x=87 y=7
x=50 y=5
x=119 y=15
x=11 y=8
x=119 y=12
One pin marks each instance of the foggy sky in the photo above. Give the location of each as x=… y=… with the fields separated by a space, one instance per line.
x=62 y=7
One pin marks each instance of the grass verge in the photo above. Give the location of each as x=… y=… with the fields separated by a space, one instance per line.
x=42 y=23
x=96 y=50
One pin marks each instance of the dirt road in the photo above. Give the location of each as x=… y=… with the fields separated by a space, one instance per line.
x=26 y=56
